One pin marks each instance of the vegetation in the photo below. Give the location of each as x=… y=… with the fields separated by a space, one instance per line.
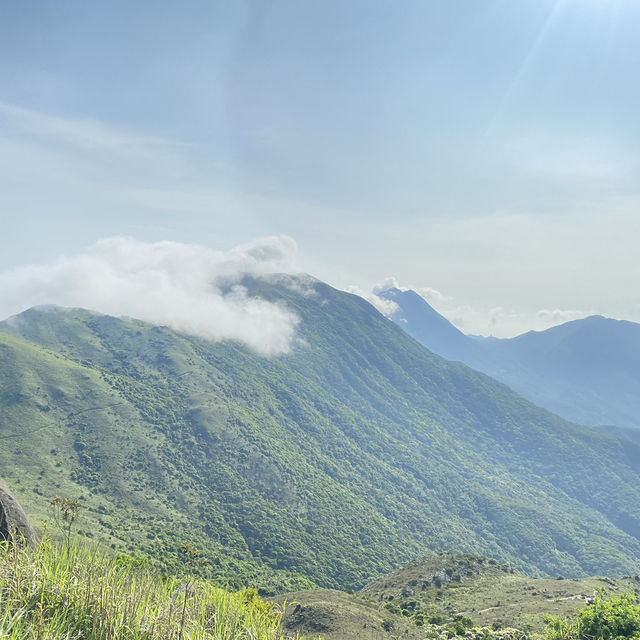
x=438 y=589
x=614 y=619
x=65 y=513
x=450 y=595
x=77 y=593
x=349 y=457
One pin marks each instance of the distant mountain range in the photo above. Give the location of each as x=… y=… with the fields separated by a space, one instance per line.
x=350 y=456
x=587 y=371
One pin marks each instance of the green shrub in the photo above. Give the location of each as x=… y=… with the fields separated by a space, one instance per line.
x=614 y=619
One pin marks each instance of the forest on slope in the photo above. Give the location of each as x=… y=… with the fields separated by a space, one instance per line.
x=350 y=456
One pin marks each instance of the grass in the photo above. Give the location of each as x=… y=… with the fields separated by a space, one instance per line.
x=79 y=593
x=338 y=615
x=450 y=585
x=461 y=596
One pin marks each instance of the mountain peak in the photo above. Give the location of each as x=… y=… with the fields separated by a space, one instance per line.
x=585 y=370
x=421 y=321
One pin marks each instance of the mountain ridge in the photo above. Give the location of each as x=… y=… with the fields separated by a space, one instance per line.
x=585 y=370
x=350 y=456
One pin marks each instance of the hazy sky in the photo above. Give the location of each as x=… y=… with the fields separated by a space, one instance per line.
x=485 y=152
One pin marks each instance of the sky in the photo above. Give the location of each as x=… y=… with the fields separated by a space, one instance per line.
x=483 y=152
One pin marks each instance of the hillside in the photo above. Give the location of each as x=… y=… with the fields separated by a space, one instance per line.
x=80 y=591
x=443 y=595
x=627 y=433
x=420 y=320
x=587 y=371
x=351 y=456
x=444 y=587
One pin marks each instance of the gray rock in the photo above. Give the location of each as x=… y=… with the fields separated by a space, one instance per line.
x=14 y=524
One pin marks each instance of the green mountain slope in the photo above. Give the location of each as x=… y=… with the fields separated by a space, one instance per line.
x=352 y=455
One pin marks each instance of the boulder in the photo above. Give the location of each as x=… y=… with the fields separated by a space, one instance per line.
x=14 y=524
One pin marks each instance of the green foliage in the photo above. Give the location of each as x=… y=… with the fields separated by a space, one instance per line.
x=342 y=616
x=614 y=619
x=352 y=455
x=488 y=595
x=387 y=624
x=79 y=593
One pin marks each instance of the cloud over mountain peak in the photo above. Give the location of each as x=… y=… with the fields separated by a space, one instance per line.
x=187 y=287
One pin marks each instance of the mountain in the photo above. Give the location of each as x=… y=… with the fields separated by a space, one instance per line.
x=348 y=457
x=428 y=327
x=587 y=371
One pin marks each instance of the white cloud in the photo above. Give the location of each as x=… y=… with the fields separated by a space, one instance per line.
x=432 y=296
x=387 y=283
x=559 y=316
x=428 y=293
x=188 y=287
x=499 y=321
x=385 y=307
x=302 y=283
x=507 y=322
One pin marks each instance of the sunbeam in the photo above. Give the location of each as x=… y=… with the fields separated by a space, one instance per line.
x=518 y=76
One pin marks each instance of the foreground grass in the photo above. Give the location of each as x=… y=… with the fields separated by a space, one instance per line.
x=79 y=593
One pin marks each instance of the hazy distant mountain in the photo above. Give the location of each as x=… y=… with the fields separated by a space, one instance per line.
x=587 y=371
x=433 y=330
x=354 y=454
x=627 y=433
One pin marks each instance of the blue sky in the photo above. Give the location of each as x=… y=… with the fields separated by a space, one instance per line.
x=486 y=152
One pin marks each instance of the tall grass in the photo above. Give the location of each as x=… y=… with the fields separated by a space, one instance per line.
x=78 y=593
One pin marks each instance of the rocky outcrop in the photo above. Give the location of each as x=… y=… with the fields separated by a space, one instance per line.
x=14 y=524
